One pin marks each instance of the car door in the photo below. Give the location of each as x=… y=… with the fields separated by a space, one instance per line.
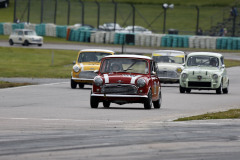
x=18 y=37
x=155 y=81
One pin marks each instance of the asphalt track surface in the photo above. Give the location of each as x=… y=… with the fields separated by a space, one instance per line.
x=52 y=121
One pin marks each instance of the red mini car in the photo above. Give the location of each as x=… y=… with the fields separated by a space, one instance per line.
x=126 y=79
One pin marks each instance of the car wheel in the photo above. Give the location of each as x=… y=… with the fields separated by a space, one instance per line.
x=94 y=102
x=148 y=101
x=225 y=90
x=219 y=89
x=157 y=104
x=182 y=89
x=11 y=42
x=73 y=84
x=81 y=85
x=188 y=90
x=106 y=104
x=39 y=45
x=26 y=43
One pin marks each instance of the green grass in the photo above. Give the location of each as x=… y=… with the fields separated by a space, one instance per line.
x=230 y=114
x=26 y=62
x=4 y=84
x=37 y=63
x=182 y=17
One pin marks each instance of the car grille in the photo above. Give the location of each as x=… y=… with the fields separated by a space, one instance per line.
x=119 y=89
x=166 y=74
x=87 y=74
x=199 y=84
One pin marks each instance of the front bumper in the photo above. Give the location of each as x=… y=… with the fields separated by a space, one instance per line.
x=208 y=85
x=119 y=96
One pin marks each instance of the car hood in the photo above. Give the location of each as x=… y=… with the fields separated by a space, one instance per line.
x=121 y=78
x=169 y=66
x=35 y=37
x=89 y=66
x=201 y=70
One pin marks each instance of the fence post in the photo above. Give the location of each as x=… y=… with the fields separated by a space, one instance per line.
x=133 y=10
x=82 y=11
x=98 y=13
x=55 y=11
x=41 y=11
x=68 y=17
x=28 y=16
x=15 y=7
x=197 y=25
x=115 y=14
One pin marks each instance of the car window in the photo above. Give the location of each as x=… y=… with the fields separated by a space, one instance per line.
x=20 y=33
x=169 y=59
x=92 y=56
x=129 y=65
x=209 y=61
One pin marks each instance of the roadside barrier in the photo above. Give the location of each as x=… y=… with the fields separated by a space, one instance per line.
x=84 y=34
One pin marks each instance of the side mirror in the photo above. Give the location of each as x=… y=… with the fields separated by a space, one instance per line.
x=96 y=71
x=183 y=64
x=74 y=62
x=153 y=73
x=223 y=66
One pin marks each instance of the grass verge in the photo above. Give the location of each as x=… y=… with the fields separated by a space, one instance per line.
x=44 y=63
x=230 y=114
x=4 y=84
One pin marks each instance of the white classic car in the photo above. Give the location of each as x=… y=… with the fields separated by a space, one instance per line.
x=169 y=64
x=204 y=71
x=25 y=37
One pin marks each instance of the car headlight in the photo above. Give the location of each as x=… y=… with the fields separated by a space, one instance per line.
x=98 y=81
x=179 y=70
x=141 y=82
x=215 y=76
x=184 y=75
x=76 y=68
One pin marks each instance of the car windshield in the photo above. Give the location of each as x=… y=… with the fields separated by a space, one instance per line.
x=92 y=56
x=30 y=33
x=128 y=65
x=169 y=59
x=209 y=61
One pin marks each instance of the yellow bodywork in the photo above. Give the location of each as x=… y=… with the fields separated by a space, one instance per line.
x=86 y=69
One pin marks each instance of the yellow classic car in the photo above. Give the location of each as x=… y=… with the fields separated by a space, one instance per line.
x=87 y=62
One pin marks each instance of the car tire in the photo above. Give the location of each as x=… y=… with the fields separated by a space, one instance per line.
x=225 y=90
x=81 y=85
x=94 y=102
x=219 y=89
x=73 y=84
x=39 y=45
x=148 y=101
x=11 y=42
x=188 y=90
x=182 y=89
x=26 y=43
x=106 y=104
x=157 y=104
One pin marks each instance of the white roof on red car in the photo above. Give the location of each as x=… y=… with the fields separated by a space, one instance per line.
x=129 y=56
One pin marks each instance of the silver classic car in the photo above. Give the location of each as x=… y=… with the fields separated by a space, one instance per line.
x=204 y=71
x=169 y=64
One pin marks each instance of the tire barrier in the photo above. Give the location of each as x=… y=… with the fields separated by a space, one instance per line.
x=84 y=34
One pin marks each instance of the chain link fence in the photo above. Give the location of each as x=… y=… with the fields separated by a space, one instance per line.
x=71 y=12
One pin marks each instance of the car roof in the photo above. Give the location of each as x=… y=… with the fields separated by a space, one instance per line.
x=205 y=54
x=96 y=50
x=170 y=52
x=129 y=56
